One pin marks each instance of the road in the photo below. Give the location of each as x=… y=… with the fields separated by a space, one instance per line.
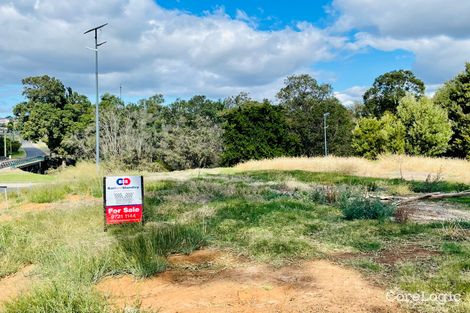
x=31 y=149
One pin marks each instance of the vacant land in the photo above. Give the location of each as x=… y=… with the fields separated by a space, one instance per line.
x=392 y=166
x=231 y=241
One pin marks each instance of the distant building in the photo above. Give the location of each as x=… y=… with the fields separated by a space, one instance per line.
x=4 y=121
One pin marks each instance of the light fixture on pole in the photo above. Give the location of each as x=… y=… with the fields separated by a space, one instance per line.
x=325 y=115
x=97 y=94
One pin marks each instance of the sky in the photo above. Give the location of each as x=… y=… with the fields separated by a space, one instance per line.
x=217 y=48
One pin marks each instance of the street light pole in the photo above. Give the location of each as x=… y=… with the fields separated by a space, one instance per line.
x=325 y=115
x=5 y=142
x=97 y=157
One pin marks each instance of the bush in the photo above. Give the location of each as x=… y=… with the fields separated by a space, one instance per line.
x=365 y=208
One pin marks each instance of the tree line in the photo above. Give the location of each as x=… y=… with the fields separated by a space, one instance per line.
x=395 y=117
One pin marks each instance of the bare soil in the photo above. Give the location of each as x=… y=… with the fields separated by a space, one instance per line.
x=437 y=211
x=13 y=285
x=210 y=281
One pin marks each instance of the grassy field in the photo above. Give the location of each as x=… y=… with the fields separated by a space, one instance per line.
x=274 y=217
x=391 y=166
x=18 y=176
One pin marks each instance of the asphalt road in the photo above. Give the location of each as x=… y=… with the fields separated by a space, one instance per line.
x=31 y=150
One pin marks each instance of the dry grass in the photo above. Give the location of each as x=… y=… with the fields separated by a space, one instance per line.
x=390 y=166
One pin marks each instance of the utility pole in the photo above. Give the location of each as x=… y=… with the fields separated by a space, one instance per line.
x=325 y=115
x=97 y=157
x=120 y=92
x=5 y=142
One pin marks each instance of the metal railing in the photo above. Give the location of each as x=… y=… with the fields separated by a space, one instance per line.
x=21 y=162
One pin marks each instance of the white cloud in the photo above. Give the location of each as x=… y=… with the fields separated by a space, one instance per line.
x=436 y=31
x=150 y=49
x=405 y=18
x=351 y=95
x=437 y=59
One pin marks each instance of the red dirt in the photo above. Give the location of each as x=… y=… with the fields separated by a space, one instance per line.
x=13 y=285
x=208 y=281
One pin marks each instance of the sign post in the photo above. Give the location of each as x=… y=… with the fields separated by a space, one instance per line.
x=123 y=200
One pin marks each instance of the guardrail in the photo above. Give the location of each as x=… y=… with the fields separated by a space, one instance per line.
x=21 y=162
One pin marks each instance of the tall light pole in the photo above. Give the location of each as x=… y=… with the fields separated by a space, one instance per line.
x=5 y=142
x=97 y=94
x=325 y=115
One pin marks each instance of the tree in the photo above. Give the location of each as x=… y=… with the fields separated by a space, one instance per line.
x=184 y=146
x=372 y=137
x=305 y=101
x=129 y=134
x=428 y=129
x=388 y=89
x=454 y=96
x=14 y=145
x=52 y=113
x=255 y=130
x=196 y=106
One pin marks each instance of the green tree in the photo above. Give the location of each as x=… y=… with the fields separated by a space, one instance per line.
x=255 y=130
x=52 y=113
x=196 y=106
x=372 y=137
x=184 y=146
x=454 y=96
x=388 y=89
x=305 y=101
x=428 y=129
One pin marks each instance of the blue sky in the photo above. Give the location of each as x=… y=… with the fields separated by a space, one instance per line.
x=269 y=15
x=219 y=48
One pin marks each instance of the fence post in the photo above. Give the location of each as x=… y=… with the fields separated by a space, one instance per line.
x=6 y=195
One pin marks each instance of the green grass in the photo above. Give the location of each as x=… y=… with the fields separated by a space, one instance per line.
x=19 y=154
x=252 y=214
x=18 y=176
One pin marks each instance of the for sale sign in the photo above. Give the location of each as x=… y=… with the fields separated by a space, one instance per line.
x=123 y=199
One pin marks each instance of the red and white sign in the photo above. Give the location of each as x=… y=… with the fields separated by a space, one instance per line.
x=123 y=199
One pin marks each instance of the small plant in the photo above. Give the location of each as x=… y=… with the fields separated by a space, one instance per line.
x=365 y=208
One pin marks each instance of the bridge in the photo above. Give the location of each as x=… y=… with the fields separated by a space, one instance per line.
x=32 y=163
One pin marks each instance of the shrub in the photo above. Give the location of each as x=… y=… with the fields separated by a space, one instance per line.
x=365 y=208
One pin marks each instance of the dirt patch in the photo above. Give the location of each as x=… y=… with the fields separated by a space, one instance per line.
x=13 y=285
x=403 y=254
x=436 y=211
x=35 y=207
x=202 y=283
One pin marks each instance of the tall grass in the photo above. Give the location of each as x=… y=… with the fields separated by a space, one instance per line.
x=389 y=166
x=147 y=248
x=59 y=298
